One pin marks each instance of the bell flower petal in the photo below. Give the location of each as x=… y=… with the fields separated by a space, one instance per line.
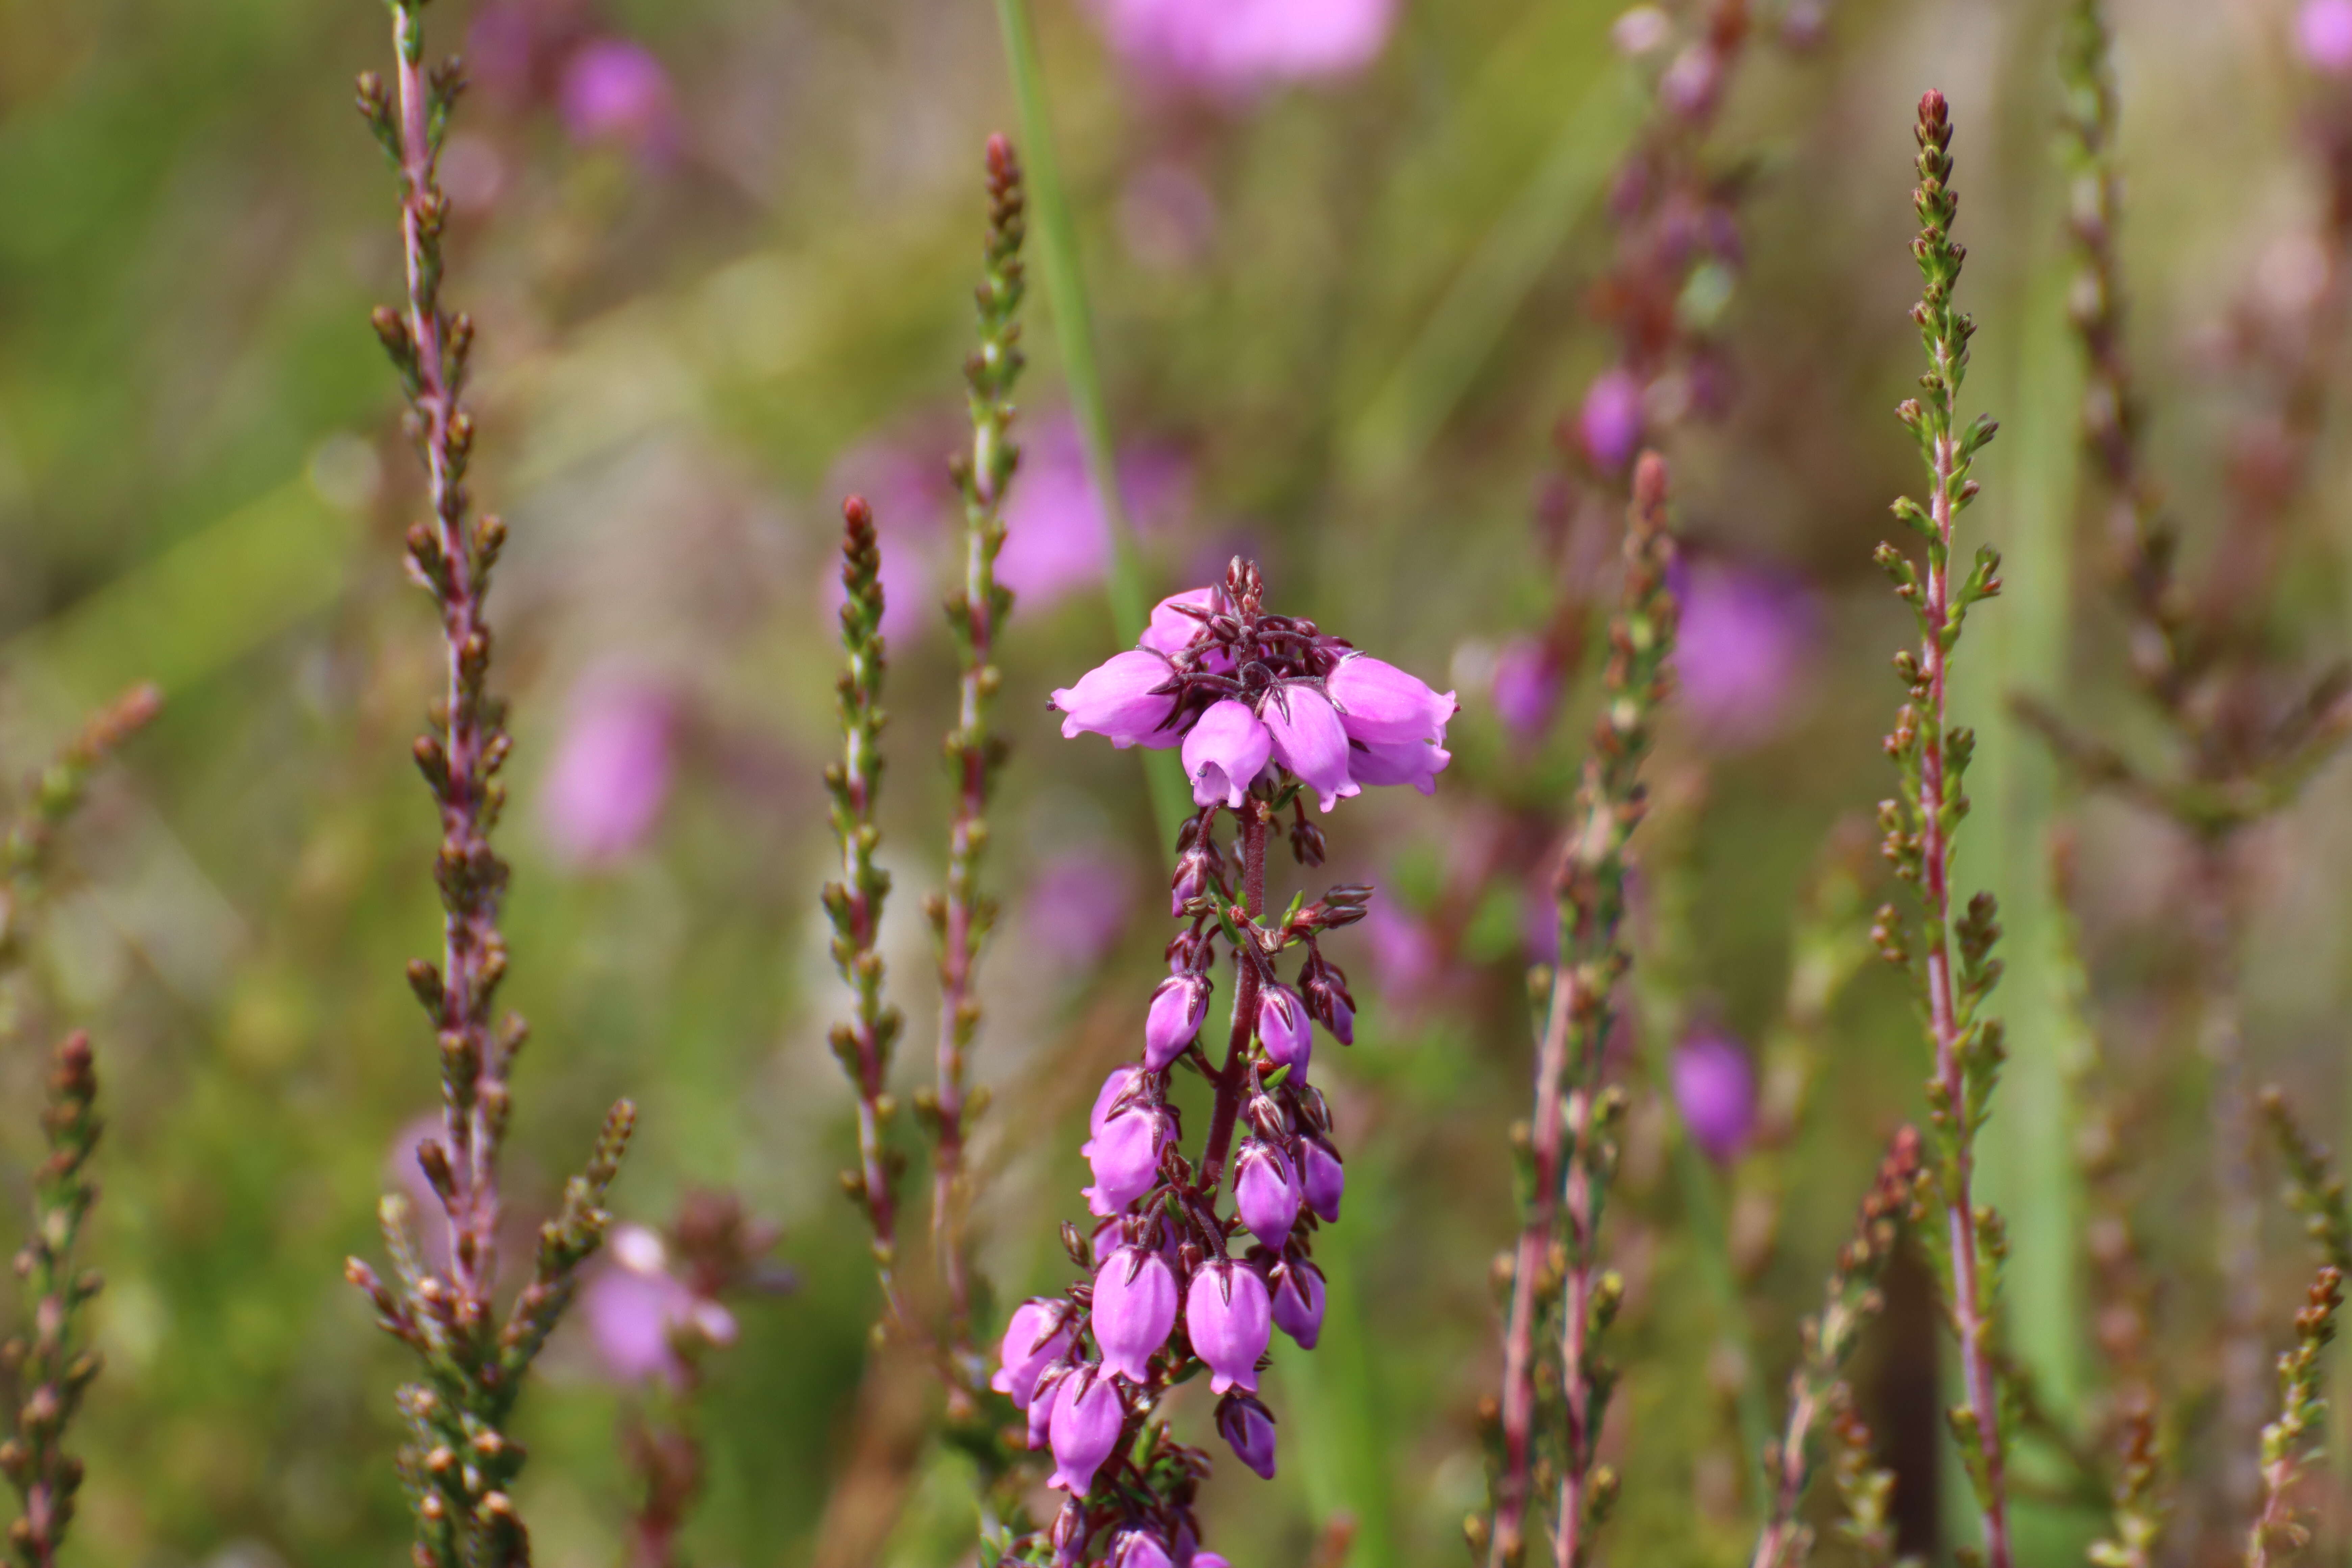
x=1379 y=703
x=1134 y=1311
x=1229 y=1320
x=1114 y=699
x=1308 y=740
x=1223 y=752
x=1414 y=762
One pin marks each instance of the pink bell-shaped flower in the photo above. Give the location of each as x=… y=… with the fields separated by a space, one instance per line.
x=1298 y=1303
x=1283 y=1028
x=1414 y=762
x=1125 y=1158
x=1309 y=741
x=1248 y=1427
x=1171 y=628
x=1177 y=1009
x=1321 y=1176
x=1134 y=1311
x=1265 y=1193
x=1229 y=1320
x=1380 y=704
x=1088 y=1415
x=1224 y=752
x=1141 y=1549
x=1114 y=699
x=1120 y=1081
x=1038 y=1336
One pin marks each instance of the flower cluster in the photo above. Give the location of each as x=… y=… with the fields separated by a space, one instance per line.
x=1266 y=710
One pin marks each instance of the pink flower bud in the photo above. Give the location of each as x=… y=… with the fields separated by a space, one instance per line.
x=1114 y=699
x=1224 y=752
x=1610 y=419
x=1134 y=1311
x=1298 y=1303
x=1320 y=1174
x=1265 y=1193
x=1141 y=1549
x=1088 y=1415
x=1177 y=1009
x=1715 y=1087
x=1125 y=1158
x=1309 y=741
x=1038 y=1336
x=1282 y=1028
x=1229 y=1320
x=1248 y=1427
x=1378 y=702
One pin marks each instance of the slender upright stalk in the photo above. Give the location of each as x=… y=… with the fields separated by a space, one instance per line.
x=460 y=1465
x=854 y=903
x=50 y=1367
x=1571 y=1145
x=1933 y=755
x=1074 y=335
x=977 y=610
x=1233 y=1079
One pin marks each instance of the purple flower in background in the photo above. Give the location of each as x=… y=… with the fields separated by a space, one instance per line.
x=1265 y=1193
x=1714 y=1086
x=1527 y=687
x=1230 y=1321
x=636 y=1310
x=611 y=775
x=1038 y=1336
x=1116 y=699
x=1405 y=956
x=1247 y=1426
x=1057 y=540
x=2324 y=29
x=1077 y=904
x=1298 y=1303
x=615 y=91
x=1085 y=1428
x=1743 y=652
x=1134 y=1311
x=1237 y=46
x=1610 y=420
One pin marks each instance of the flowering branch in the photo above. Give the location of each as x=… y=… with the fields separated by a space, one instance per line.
x=1571 y=1147
x=854 y=903
x=2277 y=1534
x=1932 y=756
x=960 y=917
x=1817 y=1389
x=57 y=794
x=1864 y=1488
x=1268 y=710
x=460 y=1465
x=49 y=1368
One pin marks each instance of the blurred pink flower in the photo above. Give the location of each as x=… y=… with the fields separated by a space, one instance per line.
x=1744 y=653
x=1527 y=687
x=1077 y=905
x=1404 y=953
x=635 y=1309
x=503 y=48
x=1610 y=423
x=1244 y=45
x=615 y=91
x=2324 y=29
x=1714 y=1086
x=611 y=776
x=427 y=1222
x=1055 y=540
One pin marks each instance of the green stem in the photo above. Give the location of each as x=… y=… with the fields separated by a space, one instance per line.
x=1066 y=295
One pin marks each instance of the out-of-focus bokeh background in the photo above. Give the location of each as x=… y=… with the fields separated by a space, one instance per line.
x=1353 y=321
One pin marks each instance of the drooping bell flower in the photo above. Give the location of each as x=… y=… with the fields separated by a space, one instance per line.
x=1114 y=699
x=1266 y=1191
x=1125 y=1158
x=1282 y=1028
x=1230 y=1321
x=1177 y=1009
x=1041 y=1400
x=1038 y=1336
x=1380 y=704
x=1298 y=1303
x=1141 y=1549
x=1526 y=687
x=1309 y=741
x=1171 y=629
x=1414 y=762
x=1321 y=1177
x=1134 y=1311
x=1121 y=1079
x=1248 y=1427
x=1611 y=420
x=1088 y=1415
x=1223 y=754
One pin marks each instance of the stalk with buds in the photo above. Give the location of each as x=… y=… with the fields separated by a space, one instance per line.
x=1949 y=955
x=460 y=1465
